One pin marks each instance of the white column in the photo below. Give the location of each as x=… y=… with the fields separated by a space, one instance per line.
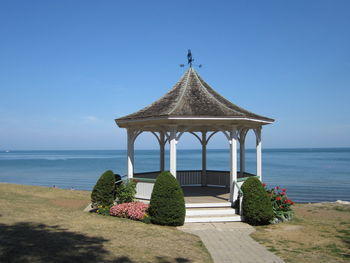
x=233 y=164
x=131 y=137
x=258 y=153
x=172 y=141
x=204 y=159
x=162 y=147
x=242 y=151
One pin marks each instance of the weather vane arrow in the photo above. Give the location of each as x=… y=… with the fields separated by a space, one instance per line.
x=190 y=60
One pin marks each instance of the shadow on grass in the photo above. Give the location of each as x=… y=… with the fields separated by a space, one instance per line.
x=29 y=242
x=157 y=260
x=177 y=260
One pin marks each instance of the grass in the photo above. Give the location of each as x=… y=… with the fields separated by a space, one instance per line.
x=39 y=224
x=318 y=233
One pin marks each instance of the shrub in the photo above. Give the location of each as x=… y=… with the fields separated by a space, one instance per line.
x=125 y=192
x=281 y=205
x=257 y=208
x=103 y=210
x=167 y=205
x=133 y=210
x=104 y=190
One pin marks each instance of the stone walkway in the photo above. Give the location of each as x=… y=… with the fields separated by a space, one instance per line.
x=231 y=243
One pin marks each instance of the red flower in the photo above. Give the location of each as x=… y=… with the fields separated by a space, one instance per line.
x=278 y=198
x=284 y=189
x=277 y=187
x=283 y=193
x=281 y=206
x=286 y=201
x=263 y=185
x=291 y=202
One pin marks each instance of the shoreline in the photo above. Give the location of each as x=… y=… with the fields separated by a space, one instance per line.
x=189 y=149
x=343 y=202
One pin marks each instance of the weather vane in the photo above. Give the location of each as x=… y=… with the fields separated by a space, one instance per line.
x=190 y=60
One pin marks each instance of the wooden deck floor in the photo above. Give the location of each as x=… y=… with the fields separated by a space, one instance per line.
x=202 y=194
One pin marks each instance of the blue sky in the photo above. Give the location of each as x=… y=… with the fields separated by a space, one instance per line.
x=69 y=68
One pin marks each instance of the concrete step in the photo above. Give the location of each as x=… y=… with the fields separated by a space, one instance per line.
x=210 y=212
x=235 y=218
x=208 y=205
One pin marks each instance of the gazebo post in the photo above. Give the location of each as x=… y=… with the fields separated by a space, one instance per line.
x=162 y=146
x=242 y=137
x=131 y=139
x=172 y=142
x=233 y=164
x=204 y=158
x=258 y=153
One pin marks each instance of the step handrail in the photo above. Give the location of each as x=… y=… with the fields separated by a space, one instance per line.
x=240 y=197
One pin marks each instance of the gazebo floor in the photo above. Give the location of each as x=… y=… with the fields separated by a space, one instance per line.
x=203 y=194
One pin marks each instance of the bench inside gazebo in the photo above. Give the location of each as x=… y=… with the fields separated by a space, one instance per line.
x=192 y=106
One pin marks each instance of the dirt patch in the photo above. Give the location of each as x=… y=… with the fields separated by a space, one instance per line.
x=67 y=203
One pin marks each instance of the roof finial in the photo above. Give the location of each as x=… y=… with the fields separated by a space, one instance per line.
x=190 y=60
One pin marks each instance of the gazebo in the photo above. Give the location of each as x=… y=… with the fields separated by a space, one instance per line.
x=192 y=106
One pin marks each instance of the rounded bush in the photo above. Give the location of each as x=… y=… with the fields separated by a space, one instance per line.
x=167 y=205
x=257 y=207
x=104 y=190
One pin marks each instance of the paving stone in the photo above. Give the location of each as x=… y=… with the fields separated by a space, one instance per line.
x=230 y=242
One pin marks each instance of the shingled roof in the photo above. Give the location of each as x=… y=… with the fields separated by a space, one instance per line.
x=192 y=97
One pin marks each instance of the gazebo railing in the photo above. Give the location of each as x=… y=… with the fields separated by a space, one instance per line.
x=146 y=180
x=194 y=177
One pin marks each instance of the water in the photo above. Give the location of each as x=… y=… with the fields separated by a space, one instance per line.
x=310 y=175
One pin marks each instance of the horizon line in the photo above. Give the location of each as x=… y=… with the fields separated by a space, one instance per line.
x=154 y=149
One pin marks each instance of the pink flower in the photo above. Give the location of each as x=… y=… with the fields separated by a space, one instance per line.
x=283 y=193
x=278 y=198
x=277 y=187
x=284 y=189
x=133 y=210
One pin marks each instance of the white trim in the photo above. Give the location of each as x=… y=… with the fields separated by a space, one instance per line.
x=193 y=118
x=214 y=118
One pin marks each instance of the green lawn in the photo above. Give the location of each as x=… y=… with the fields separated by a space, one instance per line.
x=39 y=224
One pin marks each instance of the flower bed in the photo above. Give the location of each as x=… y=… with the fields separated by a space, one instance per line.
x=132 y=210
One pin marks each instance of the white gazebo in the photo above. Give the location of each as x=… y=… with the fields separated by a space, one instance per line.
x=192 y=106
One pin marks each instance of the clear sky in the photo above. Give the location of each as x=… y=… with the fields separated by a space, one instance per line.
x=69 y=68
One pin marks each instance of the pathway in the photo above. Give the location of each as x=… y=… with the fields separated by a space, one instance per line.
x=231 y=242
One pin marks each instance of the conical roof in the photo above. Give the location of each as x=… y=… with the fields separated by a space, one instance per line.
x=192 y=98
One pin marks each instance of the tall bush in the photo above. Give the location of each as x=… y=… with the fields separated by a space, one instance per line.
x=257 y=208
x=125 y=192
x=104 y=190
x=167 y=205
